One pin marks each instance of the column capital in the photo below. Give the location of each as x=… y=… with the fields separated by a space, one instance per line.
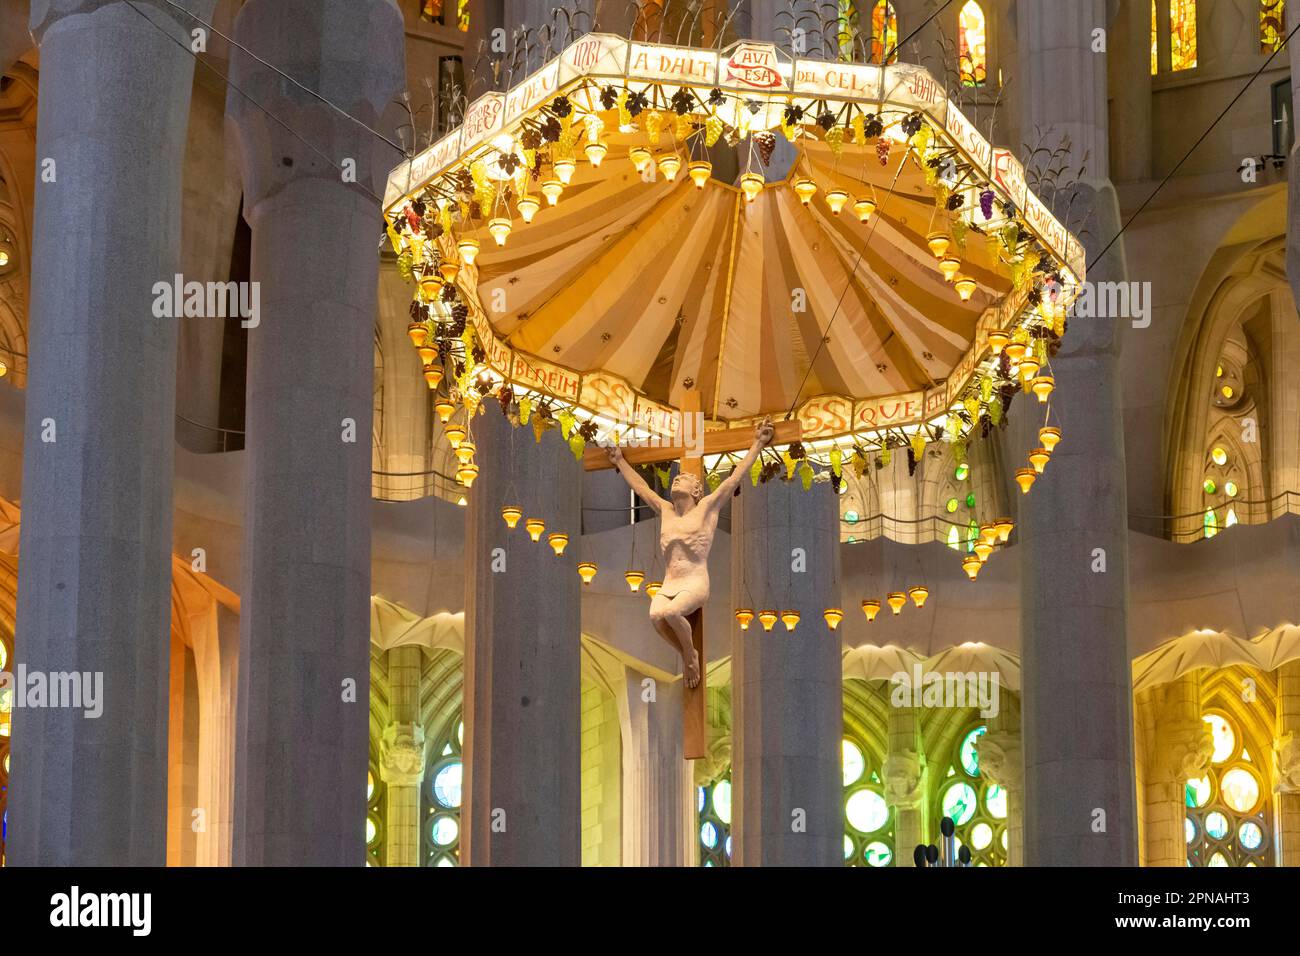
x=1286 y=750
x=46 y=13
x=346 y=59
x=1001 y=759
x=401 y=755
x=1184 y=747
x=904 y=775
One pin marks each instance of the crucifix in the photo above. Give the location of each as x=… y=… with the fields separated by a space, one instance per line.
x=687 y=526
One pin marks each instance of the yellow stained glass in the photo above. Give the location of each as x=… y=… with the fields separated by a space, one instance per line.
x=1155 y=47
x=1240 y=789
x=1225 y=739
x=1182 y=34
x=972 y=32
x=1272 y=28
x=884 y=32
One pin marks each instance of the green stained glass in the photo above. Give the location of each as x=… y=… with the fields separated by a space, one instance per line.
x=970 y=500
x=1209 y=486
x=722 y=800
x=1198 y=792
x=877 y=854
x=961 y=472
x=951 y=505
x=852 y=762
x=970 y=758
x=959 y=803
x=866 y=811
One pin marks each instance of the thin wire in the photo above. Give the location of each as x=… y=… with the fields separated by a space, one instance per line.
x=285 y=126
x=1170 y=175
x=924 y=24
x=235 y=43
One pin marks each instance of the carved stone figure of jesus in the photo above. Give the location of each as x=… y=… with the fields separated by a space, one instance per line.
x=686 y=528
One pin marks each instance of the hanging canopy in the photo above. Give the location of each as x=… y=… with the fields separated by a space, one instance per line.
x=634 y=287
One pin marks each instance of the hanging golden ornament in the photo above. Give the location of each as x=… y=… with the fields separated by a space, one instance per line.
x=833 y=617
x=528 y=206
x=1039 y=458
x=551 y=189
x=983 y=549
x=1016 y=349
x=864 y=208
x=965 y=287
x=564 y=169
x=950 y=266
x=805 y=189
x=1004 y=527
x=641 y=158
x=511 y=514
x=558 y=541
x=896 y=600
x=448 y=268
x=433 y=375
x=654 y=587
x=468 y=249
x=871 y=609
x=466 y=474
x=430 y=285
x=998 y=341
x=700 y=171
x=465 y=451
x=418 y=332
x=595 y=153
x=751 y=184
x=790 y=619
x=445 y=409
x=455 y=434
x=918 y=594
x=938 y=243
x=535 y=527
x=767 y=618
x=744 y=616
x=669 y=164
x=500 y=229
x=633 y=579
x=836 y=199
x=1049 y=437
x=1025 y=478
x=971 y=564
x=587 y=571
x=1028 y=369
x=1042 y=386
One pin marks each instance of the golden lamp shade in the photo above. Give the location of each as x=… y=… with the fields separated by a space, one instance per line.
x=767 y=617
x=919 y=595
x=448 y=269
x=1049 y=437
x=528 y=206
x=587 y=571
x=998 y=340
x=700 y=171
x=669 y=165
x=833 y=617
x=641 y=158
x=1027 y=369
x=445 y=409
x=468 y=249
x=428 y=353
x=633 y=579
x=864 y=209
x=983 y=549
x=896 y=600
x=1005 y=526
x=971 y=565
x=871 y=609
x=1025 y=478
x=654 y=587
x=551 y=189
x=938 y=243
x=751 y=184
x=1016 y=350
x=466 y=474
x=564 y=169
x=499 y=228
x=1042 y=386
x=455 y=434
x=535 y=527
x=465 y=451
x=433 y=374
x=744 y=616
x=430 y=286
x=418 y=332
x=511 y=514
x=965 y=287
x=836 y=199
x=805 y=189
x=1039 y=458
x=790 y=618
x=558 y=542
x=950 y=266
x=596 y=152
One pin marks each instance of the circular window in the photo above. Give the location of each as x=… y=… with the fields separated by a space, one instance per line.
x=1216 y=825
x=722 y=800
x=1240 y=790
x=970 y=758
x=866 y=811
x=709 y=835
x=995 y=798
x=852 y=761
x=959 y=803
x=961 y=472
x=877 y=854
x=1250 y=835
x=951 y=505
x=446 y=785
x=445 y=830
x=1225 y=741
x=981 y=835
x=1198 y=792
x=1219 y=456
x=1230 y=489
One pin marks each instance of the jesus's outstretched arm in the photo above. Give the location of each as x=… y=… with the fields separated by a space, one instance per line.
x=634 y=480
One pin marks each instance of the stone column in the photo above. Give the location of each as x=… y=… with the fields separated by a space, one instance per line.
x=1077 y=700
x=1129 y=41
x=1293 y=167
x=304 y=664
x=1286 y=756
x=904 y=774
x=787 y=693
x=401 y=757
x=659 y=814
x=1002 y=762
x=94 y=595
x=217 y=662
x=1182 y=749
x=522 y=648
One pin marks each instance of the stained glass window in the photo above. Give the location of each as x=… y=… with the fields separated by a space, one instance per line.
x=431 y=10
x=972 y=33
x=1272 y=25
x=1155 y=39
x=714 y=806
x=441 y=796
x=375 y=800
x=868 y=819
x=977 y=807
x=1182 y=34
x=884 y=32
x=1229 y=818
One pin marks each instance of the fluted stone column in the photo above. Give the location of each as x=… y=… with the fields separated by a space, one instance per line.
x=1286 y=756
x=1182 y=750
x=787 y=691
x=659 y=816
x=1080 y=806
x=304 y=665
x=904 y=773
x=1001 y=756
x=402 y=757
x=522 y=649
x=94 y=592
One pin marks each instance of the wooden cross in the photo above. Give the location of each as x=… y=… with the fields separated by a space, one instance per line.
x=694 y=725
